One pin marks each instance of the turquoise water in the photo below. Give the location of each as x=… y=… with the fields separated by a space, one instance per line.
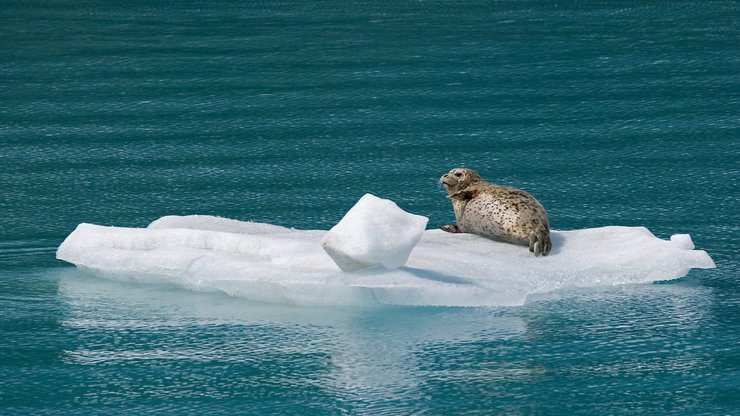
x=610 y=113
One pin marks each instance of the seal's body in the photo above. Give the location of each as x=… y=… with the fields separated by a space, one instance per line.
x=496 y=212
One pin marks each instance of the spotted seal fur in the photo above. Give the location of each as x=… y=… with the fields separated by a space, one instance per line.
x=497 y=212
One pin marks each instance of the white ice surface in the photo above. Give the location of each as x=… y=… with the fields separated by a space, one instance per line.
x=269 y=263
x=373 y=232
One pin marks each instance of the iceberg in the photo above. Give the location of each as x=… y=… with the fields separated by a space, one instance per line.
x=269 y=263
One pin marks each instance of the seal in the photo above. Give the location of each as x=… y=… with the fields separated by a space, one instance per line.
x=496 y=212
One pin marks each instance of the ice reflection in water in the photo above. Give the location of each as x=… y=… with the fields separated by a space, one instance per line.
x=146 y=341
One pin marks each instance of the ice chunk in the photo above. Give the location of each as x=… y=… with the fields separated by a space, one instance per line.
x=274 y=264
x=373 y=232
x=683 y=241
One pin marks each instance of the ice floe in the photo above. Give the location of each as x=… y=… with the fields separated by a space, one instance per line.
x=264 y=262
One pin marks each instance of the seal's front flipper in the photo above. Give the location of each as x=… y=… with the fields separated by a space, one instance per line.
x=450 y=228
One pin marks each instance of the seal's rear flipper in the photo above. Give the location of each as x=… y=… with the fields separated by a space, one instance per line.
x=539 y=242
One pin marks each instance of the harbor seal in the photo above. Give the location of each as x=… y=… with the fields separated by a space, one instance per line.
x=496 y=212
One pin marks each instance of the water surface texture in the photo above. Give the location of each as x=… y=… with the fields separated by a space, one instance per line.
x=287 y=112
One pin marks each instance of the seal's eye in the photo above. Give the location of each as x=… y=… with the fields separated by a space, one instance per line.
x=458 y=174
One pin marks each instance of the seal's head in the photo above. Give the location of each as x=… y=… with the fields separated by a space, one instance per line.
x=458 y=179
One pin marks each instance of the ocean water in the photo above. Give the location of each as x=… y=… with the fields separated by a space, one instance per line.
x=287 y=112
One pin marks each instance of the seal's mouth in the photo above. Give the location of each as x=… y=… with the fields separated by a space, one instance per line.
x=446 y=181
